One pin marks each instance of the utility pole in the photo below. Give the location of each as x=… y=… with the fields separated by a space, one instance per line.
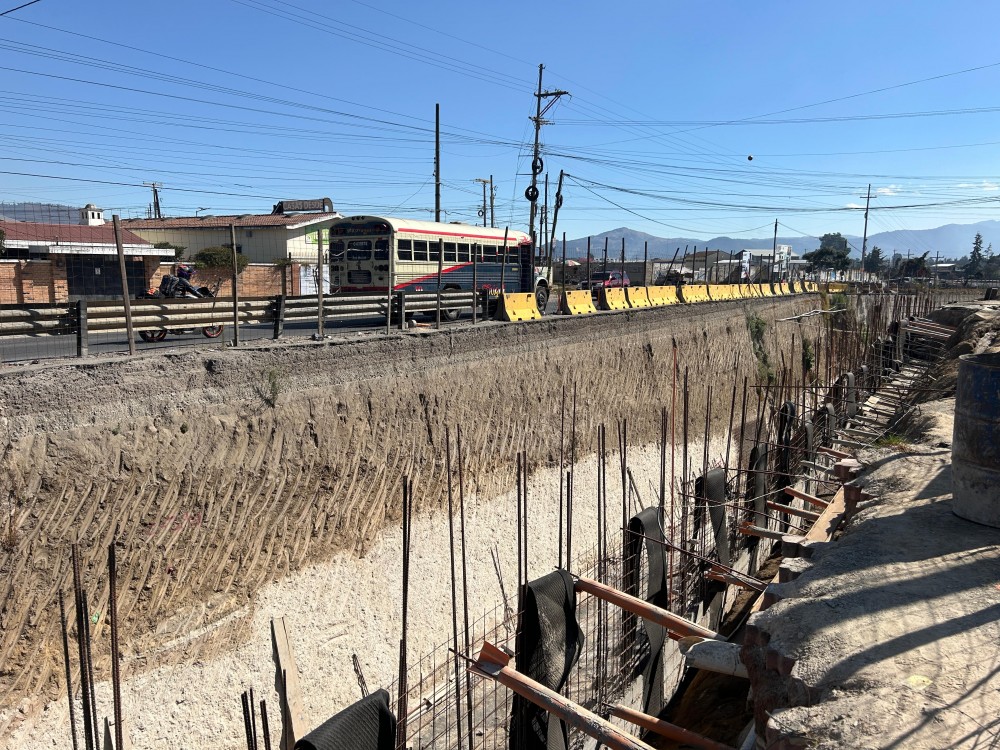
x=484 y=183
x=774 y=250
x=437 y=162
x=864 y=242
x=537 y=165
x=156 y=198
x=555 y=213
x=493 y=195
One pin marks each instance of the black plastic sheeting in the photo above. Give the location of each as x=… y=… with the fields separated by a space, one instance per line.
x=365 y=725
x=710 y=490
x=547 y=647
x=649 y=637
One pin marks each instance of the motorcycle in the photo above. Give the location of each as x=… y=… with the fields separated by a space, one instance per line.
x=174 y=287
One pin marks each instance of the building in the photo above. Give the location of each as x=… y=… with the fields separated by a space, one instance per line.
x=68 y=262
x=772 y=263
x=287 y=233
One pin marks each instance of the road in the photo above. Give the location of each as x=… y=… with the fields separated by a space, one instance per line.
x=33 y=348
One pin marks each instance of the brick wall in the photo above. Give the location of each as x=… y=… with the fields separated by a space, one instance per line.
x=257 y=279
x=28 y=281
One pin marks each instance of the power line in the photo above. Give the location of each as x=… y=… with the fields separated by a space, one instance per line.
x=24 y=5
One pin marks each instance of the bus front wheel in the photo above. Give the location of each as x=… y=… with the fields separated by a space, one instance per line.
x=541 y=298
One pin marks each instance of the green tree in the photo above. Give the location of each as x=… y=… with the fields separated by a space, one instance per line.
x=875 y=261
x=219 y=258
x=976 y=258
x=832 y=253
x=915 y=267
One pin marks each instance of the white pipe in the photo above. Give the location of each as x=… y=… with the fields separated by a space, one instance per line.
x=715 y=656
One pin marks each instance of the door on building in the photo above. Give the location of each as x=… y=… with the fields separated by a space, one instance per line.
x=99 y=277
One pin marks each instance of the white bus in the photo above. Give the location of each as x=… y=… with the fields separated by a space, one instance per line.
x=378 y=253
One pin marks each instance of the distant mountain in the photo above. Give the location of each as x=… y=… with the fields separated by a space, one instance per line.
x=951 y=241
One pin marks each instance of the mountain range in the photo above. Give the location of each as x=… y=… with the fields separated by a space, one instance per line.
x=950 y=241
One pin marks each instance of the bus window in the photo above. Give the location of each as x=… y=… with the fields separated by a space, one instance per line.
x=337 y=250
x=463 y=253
x=489 y=254
x=405 y=250
x=435 y=251
x=450 y=252
x=419 y=249
x=382 y=249
x=359 y=250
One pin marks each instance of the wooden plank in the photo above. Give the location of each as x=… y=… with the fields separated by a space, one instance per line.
x=293 y=723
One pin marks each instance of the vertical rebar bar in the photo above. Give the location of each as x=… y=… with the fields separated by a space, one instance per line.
x=69 y=672
x=454 y=586
x=116 y=684
x=265 y=730
x=89 y=721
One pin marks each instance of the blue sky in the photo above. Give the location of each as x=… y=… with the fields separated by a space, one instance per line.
x=234 y=104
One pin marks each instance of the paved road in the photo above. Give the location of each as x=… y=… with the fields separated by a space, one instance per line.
x=21 y=349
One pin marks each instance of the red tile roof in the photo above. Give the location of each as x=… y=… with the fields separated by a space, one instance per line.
x=243 y=221
x=24 y=231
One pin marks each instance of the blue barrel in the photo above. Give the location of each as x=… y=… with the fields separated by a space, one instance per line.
x=975 y=447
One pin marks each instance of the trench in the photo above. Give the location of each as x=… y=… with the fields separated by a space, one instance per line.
x=218 y=511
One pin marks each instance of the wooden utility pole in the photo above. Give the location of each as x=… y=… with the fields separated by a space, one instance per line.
x=437 y=162
x=536 y=162
x=493 y=195
x=125 y=295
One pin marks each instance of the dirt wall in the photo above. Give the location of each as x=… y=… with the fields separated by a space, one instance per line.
x=226 y=470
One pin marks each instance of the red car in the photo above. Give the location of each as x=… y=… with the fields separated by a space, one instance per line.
x=606 y=279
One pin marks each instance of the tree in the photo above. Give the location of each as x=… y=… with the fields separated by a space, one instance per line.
x=832 y=253
x=975 y=267
x=875 y=261
x=219 y=258
x=913 y=267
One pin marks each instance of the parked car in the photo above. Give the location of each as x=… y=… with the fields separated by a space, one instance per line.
x=606 y=279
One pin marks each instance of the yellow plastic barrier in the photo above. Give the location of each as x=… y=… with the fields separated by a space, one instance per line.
x=781 y=288
x=691 y=293
x=766 y=290
x=662 y=295
x=718 y=292
x=577 y=303
x=613 y=299
x=518 y=307
x=638 y=296
x=747 y=291
x=836 y=287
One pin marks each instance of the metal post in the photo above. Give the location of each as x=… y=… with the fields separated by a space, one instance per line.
x=402 y=310
x=279 y=316
x=476 y=249
x=645 y=263
x=82 y=336
x=623 y=262
x=115 y=676
x=320 y=322
x=236 y=295
x=125 y=295
x=440 y=270
x=564 y=292
x=587 y=282
x=493 y=221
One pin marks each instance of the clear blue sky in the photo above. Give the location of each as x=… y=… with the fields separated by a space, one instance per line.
x=234 y=104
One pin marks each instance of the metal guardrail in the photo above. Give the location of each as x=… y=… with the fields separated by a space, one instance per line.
x=84 y=318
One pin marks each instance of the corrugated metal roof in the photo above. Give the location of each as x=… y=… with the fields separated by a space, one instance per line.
x=242 y=221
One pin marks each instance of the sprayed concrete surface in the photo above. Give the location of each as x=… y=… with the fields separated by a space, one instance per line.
x=889 y=638
x=265 y=481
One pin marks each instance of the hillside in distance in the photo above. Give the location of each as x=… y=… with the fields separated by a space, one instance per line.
x=950 y=240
